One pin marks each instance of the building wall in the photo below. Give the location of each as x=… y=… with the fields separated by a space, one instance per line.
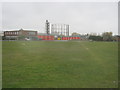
x=60 y=29
x=45 y=37
x=20 y=34
x=48 y=37
x=70 y=38
x=27 y=33
x=11 y=33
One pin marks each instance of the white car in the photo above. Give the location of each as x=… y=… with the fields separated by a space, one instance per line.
x=27 y=39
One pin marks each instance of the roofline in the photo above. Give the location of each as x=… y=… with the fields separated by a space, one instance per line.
x=19 y=30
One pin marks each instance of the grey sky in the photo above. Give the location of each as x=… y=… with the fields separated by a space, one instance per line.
x=83 y=17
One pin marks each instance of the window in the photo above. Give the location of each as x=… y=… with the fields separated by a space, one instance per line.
x=31 y=33
x=17 y=33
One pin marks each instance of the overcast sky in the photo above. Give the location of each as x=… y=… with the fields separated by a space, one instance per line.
x=83 y=17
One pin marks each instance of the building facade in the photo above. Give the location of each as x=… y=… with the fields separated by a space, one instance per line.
x=60 y=29
x=20 y=34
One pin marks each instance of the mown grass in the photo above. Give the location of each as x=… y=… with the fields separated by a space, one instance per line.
x=50 y=64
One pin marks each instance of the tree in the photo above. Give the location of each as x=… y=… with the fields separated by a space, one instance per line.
x=21 y=37
x=116 y=38
x=96 y=38
x=107 y=36
x=75 y=34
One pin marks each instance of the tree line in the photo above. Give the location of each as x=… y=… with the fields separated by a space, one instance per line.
x=106 y=36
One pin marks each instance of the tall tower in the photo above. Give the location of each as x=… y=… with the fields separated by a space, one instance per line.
x=47 y=26
x=67 y=30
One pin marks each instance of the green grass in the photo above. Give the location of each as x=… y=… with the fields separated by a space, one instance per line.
x=50 y=64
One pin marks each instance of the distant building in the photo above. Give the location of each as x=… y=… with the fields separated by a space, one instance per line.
x=75 y=34
x=60 y=29
x=42 y=33
x=20 y=34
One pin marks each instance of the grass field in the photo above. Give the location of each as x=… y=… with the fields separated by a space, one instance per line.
x=52 y=64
